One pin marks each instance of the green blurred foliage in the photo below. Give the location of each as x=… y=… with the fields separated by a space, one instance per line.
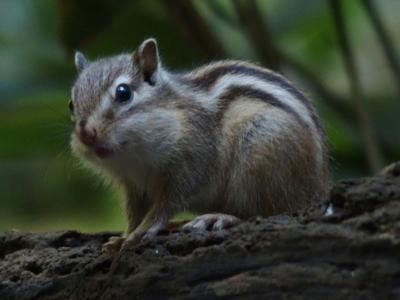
x=43 y=187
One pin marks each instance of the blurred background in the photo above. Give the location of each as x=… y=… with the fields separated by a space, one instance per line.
x=344 y=54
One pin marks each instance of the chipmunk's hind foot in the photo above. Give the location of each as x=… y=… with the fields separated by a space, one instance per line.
x=211 y=222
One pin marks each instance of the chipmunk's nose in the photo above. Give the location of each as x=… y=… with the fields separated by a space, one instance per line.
x=87 y=135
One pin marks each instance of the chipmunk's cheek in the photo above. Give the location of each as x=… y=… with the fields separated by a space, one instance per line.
x=151 y=136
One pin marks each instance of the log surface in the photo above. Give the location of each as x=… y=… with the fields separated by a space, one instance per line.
x=349 y=251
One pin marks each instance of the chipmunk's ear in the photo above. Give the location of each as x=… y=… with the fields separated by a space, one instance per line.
x=81 y=62
x=147 y=59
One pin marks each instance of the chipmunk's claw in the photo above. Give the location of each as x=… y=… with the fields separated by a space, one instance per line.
x=113 y=245
x=211 y=222
x=132 y=240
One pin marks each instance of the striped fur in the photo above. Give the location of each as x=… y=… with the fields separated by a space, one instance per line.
x=212 y=73
x=227 y=137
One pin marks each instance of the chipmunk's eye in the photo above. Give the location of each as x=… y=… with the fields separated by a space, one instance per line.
x=71 y=106
x=123 y=93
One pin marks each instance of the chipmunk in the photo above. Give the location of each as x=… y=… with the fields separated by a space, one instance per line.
x=228 y=140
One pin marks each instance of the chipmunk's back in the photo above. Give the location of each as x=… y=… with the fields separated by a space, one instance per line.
x=272 y=154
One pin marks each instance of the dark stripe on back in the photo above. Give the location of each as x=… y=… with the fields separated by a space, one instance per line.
x=209 y=78
x=236 y=91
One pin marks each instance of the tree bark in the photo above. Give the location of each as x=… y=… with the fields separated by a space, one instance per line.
x=350 y=250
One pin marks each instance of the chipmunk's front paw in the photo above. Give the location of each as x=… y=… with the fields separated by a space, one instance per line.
x=211 y=222
x=138 y=236
x=132 y=240
x=113 y=245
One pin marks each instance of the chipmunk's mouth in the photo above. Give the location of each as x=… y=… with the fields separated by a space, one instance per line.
x=97 y=149
x=102 y=151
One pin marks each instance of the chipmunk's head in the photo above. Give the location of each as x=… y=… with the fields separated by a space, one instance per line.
x=114 y=107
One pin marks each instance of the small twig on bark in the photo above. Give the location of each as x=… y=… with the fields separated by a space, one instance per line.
x=373 y=151
x=384 y=39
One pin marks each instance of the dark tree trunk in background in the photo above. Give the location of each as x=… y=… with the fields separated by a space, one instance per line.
x=194 y=28
x=350 y=251
x=258 y=33
x=372 y=146
x=384 y=39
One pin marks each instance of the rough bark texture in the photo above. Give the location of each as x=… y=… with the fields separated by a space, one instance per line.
x=350 y=251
